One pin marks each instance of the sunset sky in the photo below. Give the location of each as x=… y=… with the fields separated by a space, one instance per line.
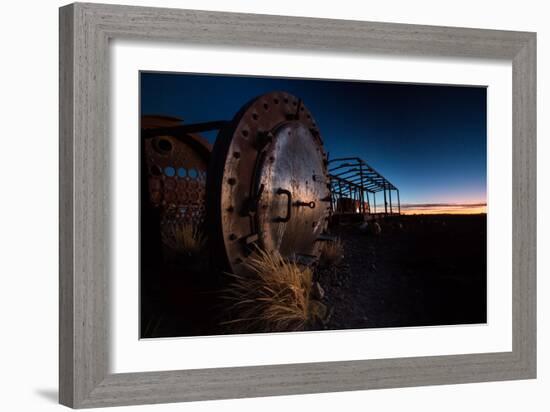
x=429 y=141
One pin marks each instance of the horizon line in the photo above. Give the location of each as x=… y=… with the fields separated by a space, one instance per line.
x=417 y=205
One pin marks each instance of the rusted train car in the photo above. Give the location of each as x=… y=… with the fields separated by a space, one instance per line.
x=265 y=183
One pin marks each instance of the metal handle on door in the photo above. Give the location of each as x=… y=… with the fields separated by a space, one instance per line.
x=281 y=191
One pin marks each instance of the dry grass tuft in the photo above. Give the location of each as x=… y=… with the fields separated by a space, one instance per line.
x=184 y=238
x=331 y=253
x=274 y=297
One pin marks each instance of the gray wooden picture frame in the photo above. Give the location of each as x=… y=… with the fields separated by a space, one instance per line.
x=85 y=31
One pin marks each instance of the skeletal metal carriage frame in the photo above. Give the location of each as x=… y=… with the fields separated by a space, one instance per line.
x=352 y=178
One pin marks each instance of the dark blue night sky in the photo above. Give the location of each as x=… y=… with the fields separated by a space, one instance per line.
x=429 y=141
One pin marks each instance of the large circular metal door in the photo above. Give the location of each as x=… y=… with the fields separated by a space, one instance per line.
x=268 y=185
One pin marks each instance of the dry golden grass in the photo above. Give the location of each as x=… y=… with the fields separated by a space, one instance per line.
x=331 y=252
x=274 y=297
x=184 y=238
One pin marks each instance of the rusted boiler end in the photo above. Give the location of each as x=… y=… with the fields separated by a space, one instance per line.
x=267 y=184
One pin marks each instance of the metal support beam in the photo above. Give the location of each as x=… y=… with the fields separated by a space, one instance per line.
x=398 y=202
x=184 y=129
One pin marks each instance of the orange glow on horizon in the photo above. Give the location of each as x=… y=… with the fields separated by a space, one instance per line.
x=444 y=209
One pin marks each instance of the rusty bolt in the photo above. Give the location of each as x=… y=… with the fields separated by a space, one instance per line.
x=264 y=138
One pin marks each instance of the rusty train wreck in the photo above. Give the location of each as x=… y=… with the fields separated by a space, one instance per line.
x=354 y=185
x=266 y=182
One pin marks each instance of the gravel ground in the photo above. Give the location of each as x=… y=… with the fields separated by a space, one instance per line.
x=420 y=270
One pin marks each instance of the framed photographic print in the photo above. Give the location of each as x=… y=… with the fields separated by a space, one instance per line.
x=262 y=205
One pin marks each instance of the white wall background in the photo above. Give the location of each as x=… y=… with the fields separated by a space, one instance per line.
x=28 y=206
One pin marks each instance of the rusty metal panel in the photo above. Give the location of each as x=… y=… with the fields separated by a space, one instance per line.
x=268 y=183
x=349 y=205
x=176 y=165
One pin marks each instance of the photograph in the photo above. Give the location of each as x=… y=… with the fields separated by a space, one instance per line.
x=276 y=205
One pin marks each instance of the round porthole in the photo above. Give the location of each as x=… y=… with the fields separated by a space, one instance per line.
x=163 y=145
x=193 y=173
x=155 y=170
x=182 y=172
x=169 y=171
